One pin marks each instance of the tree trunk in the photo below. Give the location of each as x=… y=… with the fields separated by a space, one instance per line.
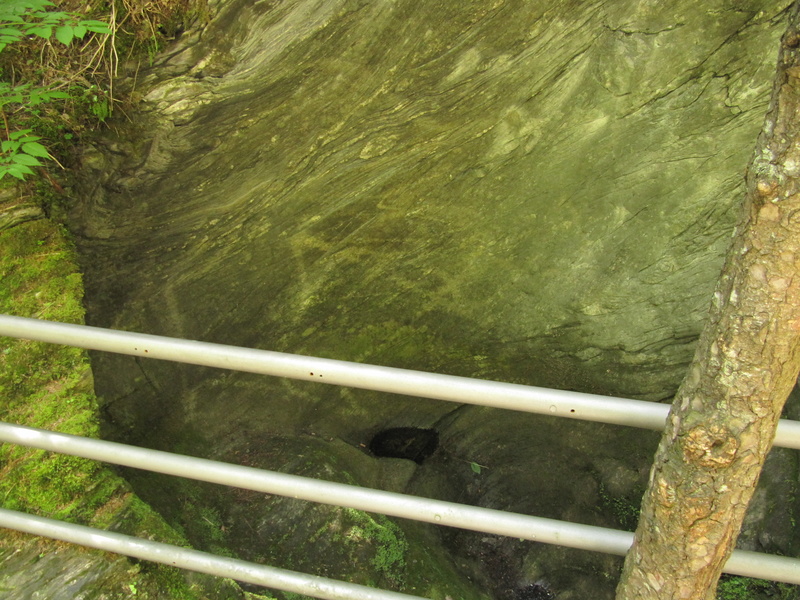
x=724 y=416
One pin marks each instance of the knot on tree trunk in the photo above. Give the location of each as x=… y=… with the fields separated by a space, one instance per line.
x=712 y=447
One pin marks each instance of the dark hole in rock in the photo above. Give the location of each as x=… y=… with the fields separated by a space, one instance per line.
x=534 y=591
x=413 y=443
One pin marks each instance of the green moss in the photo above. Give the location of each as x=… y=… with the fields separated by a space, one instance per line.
x=50 y=387
x=625 y=510
x=45 y=385
x=745 y=588
x=390 y=545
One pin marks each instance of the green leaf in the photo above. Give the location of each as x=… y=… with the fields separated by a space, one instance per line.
x=79 y=31
x=65 y=35
x=34 y=99
x=15 y=135
x=25 y=159
x=18 y=171
x=97 y=27
x=93 y=23
x=16 y=7
x=9 y=94
x=101 y=30
x=9 y=146
x=35 y=149
x=21 y=5
x=476 y=468
x=101 y=109
x=53 y=17
x=42 y=32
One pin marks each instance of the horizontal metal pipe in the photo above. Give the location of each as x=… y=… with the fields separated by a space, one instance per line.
x=787 y=434
x=585 y=537
x=194 y=560
x=549 y=531
x=574 y=405
x=764 y=566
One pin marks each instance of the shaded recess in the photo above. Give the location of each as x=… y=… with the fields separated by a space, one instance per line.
x=412 y=443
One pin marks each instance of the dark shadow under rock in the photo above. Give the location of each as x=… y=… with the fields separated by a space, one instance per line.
x=412 y=443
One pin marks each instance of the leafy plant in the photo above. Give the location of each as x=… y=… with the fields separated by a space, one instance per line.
x=20 y=19
x=20 y=152
x=98 y=102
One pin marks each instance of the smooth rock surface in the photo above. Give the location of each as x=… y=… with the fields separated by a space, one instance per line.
x=545 y=189
x=536 y=192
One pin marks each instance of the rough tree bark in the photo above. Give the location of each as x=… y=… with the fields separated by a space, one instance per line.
x=724 y=416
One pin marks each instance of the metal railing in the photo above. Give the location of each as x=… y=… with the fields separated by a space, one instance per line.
x=194 y=560
x=402 y=381
x=464 y=390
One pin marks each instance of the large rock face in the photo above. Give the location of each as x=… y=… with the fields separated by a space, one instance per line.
x=545 y=191
x=531 y=191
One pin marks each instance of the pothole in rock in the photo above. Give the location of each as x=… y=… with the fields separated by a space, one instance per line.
x=412 y=443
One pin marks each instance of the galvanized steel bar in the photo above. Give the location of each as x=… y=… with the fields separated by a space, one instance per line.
x=573 y=405
x=764 y=566
x=585 y=537
x=487 y=520
x=787 y=435
x=591 y=407
x=194 y=560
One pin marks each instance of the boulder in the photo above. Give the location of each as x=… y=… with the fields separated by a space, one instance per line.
x=535 y=192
